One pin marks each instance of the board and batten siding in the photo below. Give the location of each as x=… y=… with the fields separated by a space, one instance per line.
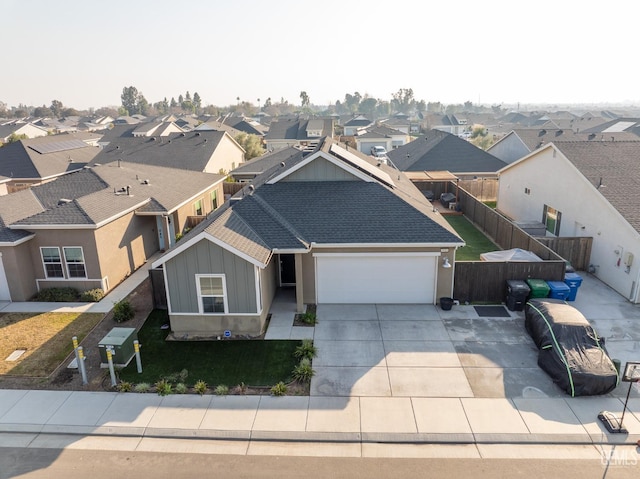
x=320 y=170
x=208 y=258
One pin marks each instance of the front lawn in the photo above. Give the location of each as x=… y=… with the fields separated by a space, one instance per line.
x=477 y=243
x=227 y=362
x=46 y=337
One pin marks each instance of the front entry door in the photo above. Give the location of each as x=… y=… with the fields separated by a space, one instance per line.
x=287 y=270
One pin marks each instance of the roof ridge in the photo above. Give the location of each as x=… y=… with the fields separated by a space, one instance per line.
x=277 y=216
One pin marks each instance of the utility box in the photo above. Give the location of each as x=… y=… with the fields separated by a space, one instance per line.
x=121 y=342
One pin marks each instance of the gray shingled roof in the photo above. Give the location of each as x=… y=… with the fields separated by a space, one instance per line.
x=381 y=132
x=535 y=138
x=294 y=129
x=98 y=194
x=23 y=159
x=266 y=161
x=438 y=151
x=616 y=164
x=291 y=215
x=187 y=151
x=14 y=207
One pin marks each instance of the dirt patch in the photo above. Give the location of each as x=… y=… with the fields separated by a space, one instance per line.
x=64 y=378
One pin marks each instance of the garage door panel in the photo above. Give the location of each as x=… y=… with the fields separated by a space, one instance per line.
x=376 y=279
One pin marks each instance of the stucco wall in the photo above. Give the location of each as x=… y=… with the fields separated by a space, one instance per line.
x=585 y=212
x=19 y=270
x=227 y=156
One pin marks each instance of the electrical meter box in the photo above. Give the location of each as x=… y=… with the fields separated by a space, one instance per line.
x=120 y=340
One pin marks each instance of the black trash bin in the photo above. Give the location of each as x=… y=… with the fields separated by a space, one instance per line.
x=446 y=303
x=517 y=292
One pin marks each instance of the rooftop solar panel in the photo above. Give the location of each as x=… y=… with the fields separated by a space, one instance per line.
x=362 y=164
x=56 y=146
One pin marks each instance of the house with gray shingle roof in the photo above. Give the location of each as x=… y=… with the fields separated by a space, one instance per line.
x=355 y=124
x=381 y=135
x=205 y=151
x=441 y=151
x=520 y=142
x=20 y=128
x=93 y=227
x=583 y=188
x=297 y=132
x=332 y=224
x=37 y=160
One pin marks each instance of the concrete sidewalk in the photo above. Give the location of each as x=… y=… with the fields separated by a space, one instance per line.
x=317 y=419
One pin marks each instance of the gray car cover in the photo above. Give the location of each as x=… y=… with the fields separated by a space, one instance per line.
x=570 y=350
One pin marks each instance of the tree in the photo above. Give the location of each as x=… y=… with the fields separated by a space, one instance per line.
x=13 y=138
x=304 y=99
x=267 y=102
x=107 y=111
x=43 y=112
x=252 y=145
x=403 y=100
x=368 y=107
x=173 y=103
x=129 y=99
x=353 y=101
x=56 y=108
x=142 y=105
x=197 y=101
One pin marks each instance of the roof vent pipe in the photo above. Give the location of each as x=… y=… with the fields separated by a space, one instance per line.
x=128 y=190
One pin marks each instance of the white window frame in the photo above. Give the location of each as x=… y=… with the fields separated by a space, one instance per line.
x=44 y=263
x=84 y=263
x=200 y=295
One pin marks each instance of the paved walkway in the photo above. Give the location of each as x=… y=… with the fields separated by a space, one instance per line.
x=353 y=422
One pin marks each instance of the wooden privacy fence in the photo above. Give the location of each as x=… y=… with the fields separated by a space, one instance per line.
x=576 y=250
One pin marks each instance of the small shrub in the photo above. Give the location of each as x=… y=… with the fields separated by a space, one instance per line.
x=221 y=390
x=124 y=386
x=241 y=388
x=181 y=388
x=308 y=318
x=303 y=372
x=306 y=350
x=183 y=375
x=123 y=311
x=279 y=389
x=142 y=387
x=92 y=295
x=57 y=295
x=163 y=387
x=200 y=387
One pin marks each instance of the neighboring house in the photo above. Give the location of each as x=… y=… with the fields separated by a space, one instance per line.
x=520 y=142
x=402 y=124
x=244 y=125
x=331 y=224
x=18 y=129
x=355 y=124
x=583 y=189
x=38 y=160
x=156 y=128
x=205 y=151
x=380 y=136
x=248 y=170
x=440 y=151
x=92 y=228
x=631 y=125
x=296 y=132
x=452 y=124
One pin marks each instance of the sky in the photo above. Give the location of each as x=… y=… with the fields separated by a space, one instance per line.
x=83 y=52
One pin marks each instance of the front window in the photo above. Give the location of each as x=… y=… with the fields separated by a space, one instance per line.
x=197 y=208
x=74 y=257
x=211 y=293
x=551 y=219
x=51 y=261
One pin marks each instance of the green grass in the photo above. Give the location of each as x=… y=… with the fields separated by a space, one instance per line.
x=477 y=242
x=229 y=362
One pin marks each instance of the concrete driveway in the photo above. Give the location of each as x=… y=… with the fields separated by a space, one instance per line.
x=423 y=351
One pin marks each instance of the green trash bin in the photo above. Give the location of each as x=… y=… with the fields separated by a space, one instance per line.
x=539 y=288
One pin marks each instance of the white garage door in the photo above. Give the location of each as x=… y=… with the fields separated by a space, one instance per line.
x=375 y=278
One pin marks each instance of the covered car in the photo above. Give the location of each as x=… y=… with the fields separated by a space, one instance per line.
x=570 y=350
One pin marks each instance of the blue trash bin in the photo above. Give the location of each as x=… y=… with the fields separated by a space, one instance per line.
x=574 y=281
x=558 y=290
